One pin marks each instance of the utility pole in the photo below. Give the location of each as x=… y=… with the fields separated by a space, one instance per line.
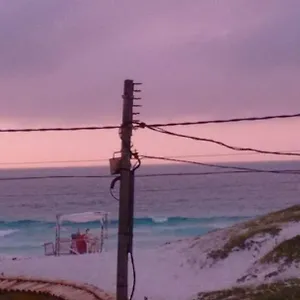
x=126 y=200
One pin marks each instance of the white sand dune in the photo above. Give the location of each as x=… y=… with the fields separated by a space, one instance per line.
x=177 y=270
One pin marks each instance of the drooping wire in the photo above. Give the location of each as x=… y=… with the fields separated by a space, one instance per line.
x=241 y=169
x=250 y=171
x=112 y=186
x=116 y=179
x=248 y=149
x=220 y=121
x=133 y=274
x=54 y=177
x=106 y=159
x=45 y=129
x=142 y=124
x=138 y=161
x=135 y=167
x=235 y=169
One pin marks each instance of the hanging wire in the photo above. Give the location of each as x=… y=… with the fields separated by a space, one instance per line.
x=220 y=121
x=248 y=149
x=143 y=125
x=241 y=169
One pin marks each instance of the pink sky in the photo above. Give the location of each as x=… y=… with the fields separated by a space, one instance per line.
x=63 y=63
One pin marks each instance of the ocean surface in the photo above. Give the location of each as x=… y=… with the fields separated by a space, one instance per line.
x=166 y=207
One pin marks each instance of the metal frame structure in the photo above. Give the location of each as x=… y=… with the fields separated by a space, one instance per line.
x=55 y=248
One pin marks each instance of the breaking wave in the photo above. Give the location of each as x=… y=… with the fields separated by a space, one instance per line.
x=143 y=221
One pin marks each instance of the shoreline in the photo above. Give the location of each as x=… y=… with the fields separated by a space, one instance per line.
x=186 y=267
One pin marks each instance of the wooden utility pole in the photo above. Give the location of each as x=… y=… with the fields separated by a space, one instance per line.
x=125 y=206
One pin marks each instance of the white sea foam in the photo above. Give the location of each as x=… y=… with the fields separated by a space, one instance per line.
x=159 y=219
x=6 y=232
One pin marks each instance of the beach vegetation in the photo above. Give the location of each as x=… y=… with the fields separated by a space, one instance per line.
x=286 y=252
x=288 y=289
x=269 y=224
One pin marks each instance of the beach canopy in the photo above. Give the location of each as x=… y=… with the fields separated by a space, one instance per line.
x=83 y=217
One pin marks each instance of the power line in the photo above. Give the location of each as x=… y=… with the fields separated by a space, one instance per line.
x=95 y=160
x=45 y=129
x=143 y=125
x=248 y=149
x=224 y=154
x=234 y=170
x=54 y=177
x=221 y=166
x=53 y=162
x=220 y=121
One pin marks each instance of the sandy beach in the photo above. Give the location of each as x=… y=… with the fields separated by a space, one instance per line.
x=177 y=270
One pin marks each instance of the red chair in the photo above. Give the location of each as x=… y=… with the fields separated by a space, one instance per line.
x=81 y=245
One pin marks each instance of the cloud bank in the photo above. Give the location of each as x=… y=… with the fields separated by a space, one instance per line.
x=65 y=61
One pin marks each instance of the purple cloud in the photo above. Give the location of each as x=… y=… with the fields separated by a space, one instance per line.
x=65 y=61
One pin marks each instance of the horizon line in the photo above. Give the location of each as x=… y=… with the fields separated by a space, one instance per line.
x=162 y=163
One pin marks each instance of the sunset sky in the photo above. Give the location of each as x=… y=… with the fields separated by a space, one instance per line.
x=63 y=63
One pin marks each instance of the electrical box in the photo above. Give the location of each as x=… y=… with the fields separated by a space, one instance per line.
x=115 y=165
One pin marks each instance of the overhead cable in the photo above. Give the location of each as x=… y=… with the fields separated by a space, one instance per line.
x=235 y=148
x=220 y=166
x=142 y=124
x=221 y=121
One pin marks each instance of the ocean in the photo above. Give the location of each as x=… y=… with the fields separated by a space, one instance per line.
x=167 y=208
